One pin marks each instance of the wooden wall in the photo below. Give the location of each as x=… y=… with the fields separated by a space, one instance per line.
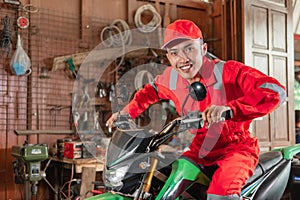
x=62 y=28
x=43 y=105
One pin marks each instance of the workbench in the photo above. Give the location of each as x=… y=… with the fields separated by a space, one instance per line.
x=79 y=163
x=65 y=170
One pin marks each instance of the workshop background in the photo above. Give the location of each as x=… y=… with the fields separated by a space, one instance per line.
x=58 y=35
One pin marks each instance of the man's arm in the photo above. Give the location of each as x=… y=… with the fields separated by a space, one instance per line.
x=259 y=94
x=141 y=101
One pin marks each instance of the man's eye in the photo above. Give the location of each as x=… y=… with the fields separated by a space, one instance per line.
x=188 y=49
x=173 y=53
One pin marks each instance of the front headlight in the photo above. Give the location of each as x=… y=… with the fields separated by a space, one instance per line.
x=113 y=177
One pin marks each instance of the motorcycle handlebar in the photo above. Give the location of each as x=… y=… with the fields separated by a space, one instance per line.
x=192 y=119
x=226 y=115
x=124 y=122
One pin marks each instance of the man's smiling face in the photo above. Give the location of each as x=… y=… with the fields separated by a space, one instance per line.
x=186 y=58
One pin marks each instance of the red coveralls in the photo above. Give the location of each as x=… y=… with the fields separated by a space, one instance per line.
x=248 y=92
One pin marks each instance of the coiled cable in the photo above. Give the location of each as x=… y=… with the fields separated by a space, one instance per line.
x=114 y=35
x=30 y=8
x=117 y=38
x=153 y=24
x=125 y=30
x=142 y=76
x=109 y=35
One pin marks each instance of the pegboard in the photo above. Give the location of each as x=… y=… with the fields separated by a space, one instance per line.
x=41 y=103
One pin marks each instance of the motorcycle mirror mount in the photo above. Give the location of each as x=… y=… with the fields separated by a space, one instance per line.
x=197 y=91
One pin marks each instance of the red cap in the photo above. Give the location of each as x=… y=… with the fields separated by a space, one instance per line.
x=181 y=30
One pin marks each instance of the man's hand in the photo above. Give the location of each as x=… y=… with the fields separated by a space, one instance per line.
x=112 y=119
x=213 y=113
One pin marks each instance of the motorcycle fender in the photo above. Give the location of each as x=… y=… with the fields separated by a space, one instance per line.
x=108 y=196
x=290 y=151
x=183 y=175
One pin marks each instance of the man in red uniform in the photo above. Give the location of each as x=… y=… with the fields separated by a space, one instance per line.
x=230 y=85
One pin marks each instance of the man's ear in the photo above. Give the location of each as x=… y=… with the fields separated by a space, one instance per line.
x=168 y=56
x=204 y=49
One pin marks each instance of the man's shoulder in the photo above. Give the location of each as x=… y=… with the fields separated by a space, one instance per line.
x=168 y=69
x=234 y=65
x=165 y=76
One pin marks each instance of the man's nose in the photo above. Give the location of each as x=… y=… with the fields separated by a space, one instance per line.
x=183 y=55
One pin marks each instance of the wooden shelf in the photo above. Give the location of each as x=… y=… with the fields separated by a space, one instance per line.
x=59 y=63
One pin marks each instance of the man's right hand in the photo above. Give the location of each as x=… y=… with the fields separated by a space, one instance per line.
x=112 y=119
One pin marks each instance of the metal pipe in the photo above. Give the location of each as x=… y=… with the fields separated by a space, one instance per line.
x=50 y=132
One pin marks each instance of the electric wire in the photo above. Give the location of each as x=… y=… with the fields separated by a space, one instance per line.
x=68 y=196
x=116 y=38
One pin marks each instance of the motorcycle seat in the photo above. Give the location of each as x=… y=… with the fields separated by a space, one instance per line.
x=266 y=162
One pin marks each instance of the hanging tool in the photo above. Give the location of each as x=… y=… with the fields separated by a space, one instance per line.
x=70 y=62
x=13 y=2
x=5 y=41
x=96 y=121
x=23 y=20
x=101 y=90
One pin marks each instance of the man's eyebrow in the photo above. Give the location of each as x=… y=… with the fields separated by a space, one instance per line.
x=176 y=49
x=188 y=45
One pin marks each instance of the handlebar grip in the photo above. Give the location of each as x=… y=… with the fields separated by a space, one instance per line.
x=226 y=115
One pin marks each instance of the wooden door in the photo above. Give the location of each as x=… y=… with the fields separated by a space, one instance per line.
x=268 y=44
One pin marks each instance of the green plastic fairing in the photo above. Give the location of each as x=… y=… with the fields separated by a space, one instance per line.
x=108 y=196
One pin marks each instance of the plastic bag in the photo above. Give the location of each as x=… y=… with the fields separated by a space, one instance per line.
x=20 y=62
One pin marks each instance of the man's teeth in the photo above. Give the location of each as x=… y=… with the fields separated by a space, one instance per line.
x=186 y=66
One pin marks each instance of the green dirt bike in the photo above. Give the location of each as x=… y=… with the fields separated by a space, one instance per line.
x=138 y=167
